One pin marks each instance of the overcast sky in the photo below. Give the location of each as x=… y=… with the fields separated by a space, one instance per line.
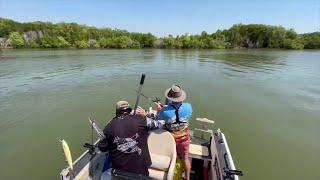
x=168 y=17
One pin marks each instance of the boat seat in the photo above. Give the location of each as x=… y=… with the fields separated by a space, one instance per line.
x=162 y=148
x=160 y=162
x=157 y=174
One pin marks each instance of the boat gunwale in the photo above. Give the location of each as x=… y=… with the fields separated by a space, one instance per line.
x=77 y=166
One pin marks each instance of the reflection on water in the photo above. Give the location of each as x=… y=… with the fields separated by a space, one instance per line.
x=245 y=61
x=265 y=101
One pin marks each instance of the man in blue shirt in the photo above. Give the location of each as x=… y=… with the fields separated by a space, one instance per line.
x=176 y=116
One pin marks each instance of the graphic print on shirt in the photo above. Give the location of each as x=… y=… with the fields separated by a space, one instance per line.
x=128 y=145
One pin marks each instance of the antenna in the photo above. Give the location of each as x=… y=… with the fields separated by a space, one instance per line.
x=92 y=134
x=318 y=16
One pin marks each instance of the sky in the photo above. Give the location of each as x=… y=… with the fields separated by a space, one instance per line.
x=164 y=17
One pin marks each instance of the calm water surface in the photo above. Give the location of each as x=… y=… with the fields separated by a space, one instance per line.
x=266 y=101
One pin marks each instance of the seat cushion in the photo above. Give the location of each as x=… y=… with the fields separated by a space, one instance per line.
x=198 y=150
x=160 y=162
x=156 y=174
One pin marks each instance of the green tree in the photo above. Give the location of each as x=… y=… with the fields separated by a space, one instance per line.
x=53 y=42
x=61 y=42
x=214 y=44
x=185 y=41
x=63 y=35
x=311 y=40
x=293 y=43
x=45 y=43
x=234 y=36
x=145 y=40
x=177 y=43
x=16 y=39
x=94 y=44
x=34 y=45
x=276 y=37
x=291 y=34
x=125 y=42
x=168 y=42
x=106 y=43
x=81 y=44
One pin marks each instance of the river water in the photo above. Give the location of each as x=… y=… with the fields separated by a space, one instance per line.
x=266 y=101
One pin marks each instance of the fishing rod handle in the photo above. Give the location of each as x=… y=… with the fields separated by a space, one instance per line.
x=143 y=76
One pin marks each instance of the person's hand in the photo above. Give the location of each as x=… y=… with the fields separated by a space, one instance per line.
x=141 y=111
x=159 y=106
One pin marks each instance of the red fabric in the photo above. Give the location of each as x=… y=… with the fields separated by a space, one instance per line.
x=182 y=145
x=205 y=173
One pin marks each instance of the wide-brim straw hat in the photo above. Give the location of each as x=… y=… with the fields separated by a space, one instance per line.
x=175 y=93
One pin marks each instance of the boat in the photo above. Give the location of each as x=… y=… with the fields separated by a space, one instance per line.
x=209 y=153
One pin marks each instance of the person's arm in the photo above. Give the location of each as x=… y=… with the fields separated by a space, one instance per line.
x=150 y=122
x=160 y=115
x=153 y=123
x=189 y=114
x=103 y=144
x=158 y=106
x=186 y=112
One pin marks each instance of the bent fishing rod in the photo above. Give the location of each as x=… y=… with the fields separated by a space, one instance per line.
x=155 y=101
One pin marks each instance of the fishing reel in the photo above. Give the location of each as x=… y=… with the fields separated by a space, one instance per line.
x=156 y=100
x=91 y=148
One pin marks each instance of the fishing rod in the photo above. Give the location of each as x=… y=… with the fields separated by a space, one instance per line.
x=156 y=100
x=92 y=147
x=143 y=76
x=96 y=128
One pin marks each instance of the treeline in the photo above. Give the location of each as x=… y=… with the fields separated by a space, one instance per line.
x=246 y=36
x=65 y=35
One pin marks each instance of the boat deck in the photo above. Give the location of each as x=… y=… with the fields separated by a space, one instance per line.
x=199 y=149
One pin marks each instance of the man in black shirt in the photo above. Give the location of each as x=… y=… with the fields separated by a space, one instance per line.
x=126 y=139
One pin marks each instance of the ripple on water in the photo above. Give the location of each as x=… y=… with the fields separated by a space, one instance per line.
x=308 y=98
x=37 y=77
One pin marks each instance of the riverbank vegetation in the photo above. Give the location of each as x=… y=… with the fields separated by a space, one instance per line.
x=71 y=35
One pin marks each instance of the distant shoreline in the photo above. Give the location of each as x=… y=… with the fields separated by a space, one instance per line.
x=124 y=49
x=46 y=35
